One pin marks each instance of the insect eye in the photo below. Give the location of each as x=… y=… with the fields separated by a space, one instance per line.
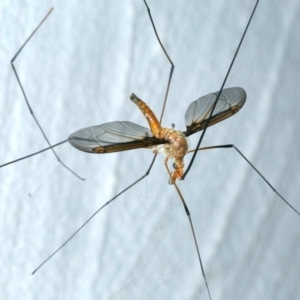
x=175 y=166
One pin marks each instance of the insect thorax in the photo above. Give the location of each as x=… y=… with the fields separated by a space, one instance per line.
x=177 y=146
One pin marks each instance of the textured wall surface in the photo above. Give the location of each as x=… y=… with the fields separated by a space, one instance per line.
x=79 y=71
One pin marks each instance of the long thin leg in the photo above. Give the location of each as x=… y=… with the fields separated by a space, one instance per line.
x=161 y=117
x=191 y=224
x=225 y=79
x=244 y=157
x=95 y=213
x=169 y=59
x=33 y=154
x=25 y=97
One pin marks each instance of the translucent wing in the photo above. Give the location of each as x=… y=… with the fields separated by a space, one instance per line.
x=230 y=102
x=113 y=137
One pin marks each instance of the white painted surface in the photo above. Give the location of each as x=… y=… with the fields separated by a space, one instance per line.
x=78 y=71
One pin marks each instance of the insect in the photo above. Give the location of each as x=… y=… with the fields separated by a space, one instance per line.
x=160 y=222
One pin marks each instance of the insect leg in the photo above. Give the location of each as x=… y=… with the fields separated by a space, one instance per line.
x=33 y=154
x=191 y=224
x=169 y=59
x=95 y=213
x=25 y=97
x=255 y=169
x=220 y=92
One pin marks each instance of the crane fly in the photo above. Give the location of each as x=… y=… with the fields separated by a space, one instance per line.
x=125 y=135
x=122 y=136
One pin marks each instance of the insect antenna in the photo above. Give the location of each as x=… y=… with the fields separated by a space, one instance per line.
x=220 y=92
x=27 y=102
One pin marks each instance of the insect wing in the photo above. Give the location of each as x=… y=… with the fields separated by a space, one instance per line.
x=230 y=102
x=113 y=137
